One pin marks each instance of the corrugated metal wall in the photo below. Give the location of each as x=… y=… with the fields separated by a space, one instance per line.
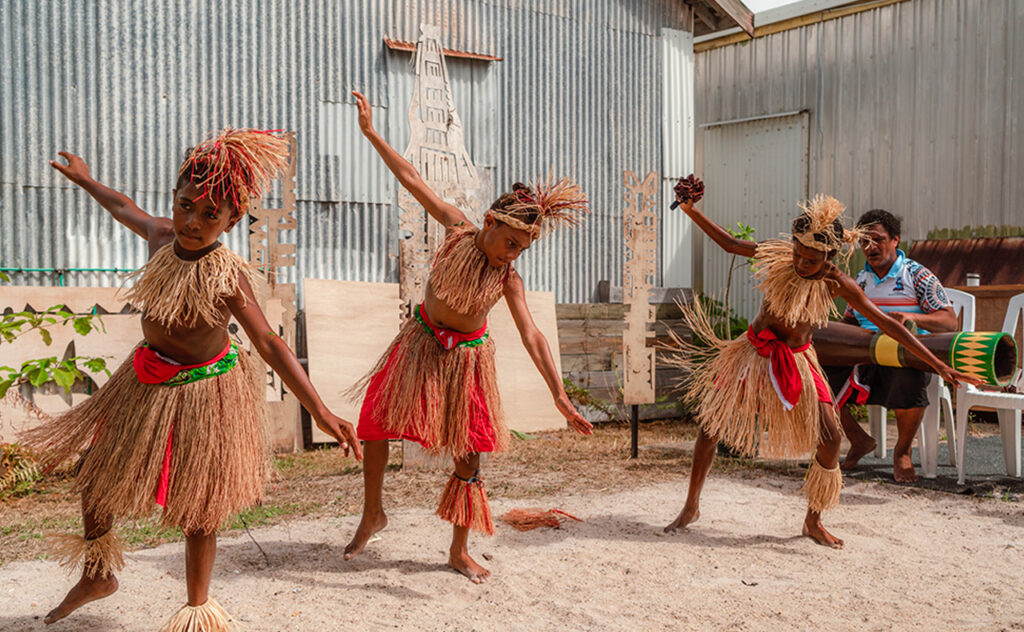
x=130 y=85
x=758 y=170
x=914 y=107
x=677 y=110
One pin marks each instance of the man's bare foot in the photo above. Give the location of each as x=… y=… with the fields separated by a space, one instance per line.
x=856 y=453
x=83 y=592
x=366 y=530
x=462 y=562
x=903 y=469
x=686 y=516
x=813 y=529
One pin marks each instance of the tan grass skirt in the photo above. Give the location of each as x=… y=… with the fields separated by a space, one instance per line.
x=737 y=404
x=447 y=400
x=218 y=452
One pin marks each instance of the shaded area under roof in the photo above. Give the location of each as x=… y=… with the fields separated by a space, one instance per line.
x=711 y=16
x=998 y=261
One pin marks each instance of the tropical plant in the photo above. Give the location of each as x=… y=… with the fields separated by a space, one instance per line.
x=40 y=371
x=18 y=470
x=745 y=233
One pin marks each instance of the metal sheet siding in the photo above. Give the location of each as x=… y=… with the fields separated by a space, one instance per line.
x=756 y=172
x=677 y=143
x=130 y=85
x=915 y=107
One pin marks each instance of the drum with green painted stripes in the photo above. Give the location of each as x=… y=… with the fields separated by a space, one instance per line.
x=986 y=355
x=990 y=356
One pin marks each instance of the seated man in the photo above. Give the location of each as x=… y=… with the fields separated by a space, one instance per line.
x=912 y=295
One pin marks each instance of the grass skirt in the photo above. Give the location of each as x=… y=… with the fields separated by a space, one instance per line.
x=439 y=397
x=738 y=405
x=218 y=451
x=729 y=385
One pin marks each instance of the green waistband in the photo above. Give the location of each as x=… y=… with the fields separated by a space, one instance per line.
x=476 y=342
x=220 y=367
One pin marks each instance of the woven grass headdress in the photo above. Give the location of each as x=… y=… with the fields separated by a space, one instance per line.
x=236 y=164
x=820 y=226
x=547 y=204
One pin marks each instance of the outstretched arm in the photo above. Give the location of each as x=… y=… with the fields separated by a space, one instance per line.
x=281 y=358
x=853 y=295
x=407 y=175
x=118 y=204
x=537 y=346
x=718 y=234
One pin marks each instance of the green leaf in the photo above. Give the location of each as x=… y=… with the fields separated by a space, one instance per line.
x=96 y=365
x=6 y=384
x=47 y=338
x=5 y=279
x=83 y=325
x=38 y=376
x=64 y=378
x=521 y=435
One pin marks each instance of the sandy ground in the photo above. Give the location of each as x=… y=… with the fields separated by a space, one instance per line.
x=913 y=560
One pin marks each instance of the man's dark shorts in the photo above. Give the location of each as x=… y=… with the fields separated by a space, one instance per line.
x=892 y=387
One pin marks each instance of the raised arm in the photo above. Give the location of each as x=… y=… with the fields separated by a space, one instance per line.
x=407 y=175
x=718 y=234
x=117 y=204
x=537 y=346
x=853 y=295
x=282 y=360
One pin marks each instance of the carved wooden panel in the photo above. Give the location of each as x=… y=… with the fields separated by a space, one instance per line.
x=268 y=253
x=437 y=150
x=640 y=265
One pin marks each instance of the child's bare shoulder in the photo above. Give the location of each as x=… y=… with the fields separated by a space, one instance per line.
x=161 y=232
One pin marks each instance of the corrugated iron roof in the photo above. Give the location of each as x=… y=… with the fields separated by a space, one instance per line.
x=998 y=261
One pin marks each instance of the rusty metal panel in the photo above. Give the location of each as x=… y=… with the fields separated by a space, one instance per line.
x=997 y=261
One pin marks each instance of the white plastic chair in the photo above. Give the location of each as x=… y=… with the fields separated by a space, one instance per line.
x=939 y=401
x=1008 y=406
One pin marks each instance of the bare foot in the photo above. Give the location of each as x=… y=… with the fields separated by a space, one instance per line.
x=686 y=516
x=366 y=530
x=813 y=529
x=856 y=453
x=462 y=562
x=903 y=469
x=83 y=592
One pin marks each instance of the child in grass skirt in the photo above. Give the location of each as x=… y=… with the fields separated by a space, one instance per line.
x=181 y=423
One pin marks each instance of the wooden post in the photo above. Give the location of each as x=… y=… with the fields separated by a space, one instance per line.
x=269 y=254
x=639 y=232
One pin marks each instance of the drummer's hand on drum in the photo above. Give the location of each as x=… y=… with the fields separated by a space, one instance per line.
x=902 y=318
x=955 y=377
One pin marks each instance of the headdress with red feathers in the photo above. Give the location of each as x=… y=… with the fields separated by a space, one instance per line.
x=236 y=164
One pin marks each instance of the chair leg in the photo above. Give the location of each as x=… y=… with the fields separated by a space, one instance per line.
x=928 y=440
x=1009 y=428
x=961 y=440
x=947 y=411
x=877 y=416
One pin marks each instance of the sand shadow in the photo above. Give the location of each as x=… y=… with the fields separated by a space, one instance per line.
x=851 y=498
x=1012 y=519
x=309 y=564
x=790 y=545
x=614 y=527
x=76 y=621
